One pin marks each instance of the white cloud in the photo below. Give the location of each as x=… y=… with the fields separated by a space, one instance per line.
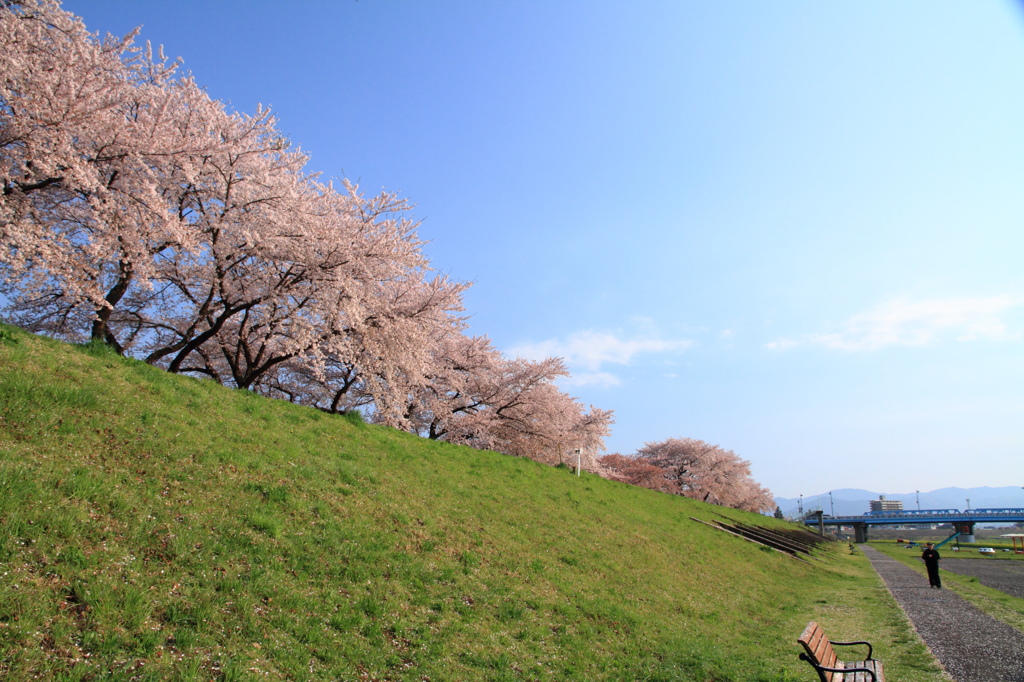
x=904 y=322
x=782 y=344
x=591 y=350
x=599 y=379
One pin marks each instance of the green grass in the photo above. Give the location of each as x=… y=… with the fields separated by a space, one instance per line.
x=159 y=527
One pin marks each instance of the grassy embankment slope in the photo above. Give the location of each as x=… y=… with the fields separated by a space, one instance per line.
x=155 y=527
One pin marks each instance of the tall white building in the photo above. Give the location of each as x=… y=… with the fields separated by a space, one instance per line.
x=882 y=504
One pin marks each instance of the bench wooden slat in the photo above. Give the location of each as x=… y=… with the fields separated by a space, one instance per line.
x=818 y=646
x=828 y=657
x=862 y=676
x=815 y=641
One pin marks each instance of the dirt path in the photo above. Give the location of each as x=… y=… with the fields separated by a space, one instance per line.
x=971 y=645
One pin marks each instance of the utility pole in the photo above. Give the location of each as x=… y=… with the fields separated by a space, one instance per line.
x=831 y=504
x=579 y=454
x=918 y=500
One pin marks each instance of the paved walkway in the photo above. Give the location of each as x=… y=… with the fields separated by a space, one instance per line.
x=971 y=645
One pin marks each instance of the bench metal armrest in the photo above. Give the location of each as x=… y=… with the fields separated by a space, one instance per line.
x=858 y=642
x=818 y=666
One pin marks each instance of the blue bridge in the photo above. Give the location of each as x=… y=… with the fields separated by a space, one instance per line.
x=963 y=521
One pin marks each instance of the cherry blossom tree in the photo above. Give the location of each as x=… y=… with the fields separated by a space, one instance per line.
x=93 y=135
x=139 y=212
x=462 y=383
x=708 y=472
x=378 y=360
x=637 y=471
x=477 y=397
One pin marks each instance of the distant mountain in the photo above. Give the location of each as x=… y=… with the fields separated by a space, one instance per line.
x=850 y=501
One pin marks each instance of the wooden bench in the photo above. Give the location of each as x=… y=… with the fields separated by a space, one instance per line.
x=821 y=655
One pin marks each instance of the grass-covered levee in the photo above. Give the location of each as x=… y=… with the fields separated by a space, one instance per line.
x=155 y=526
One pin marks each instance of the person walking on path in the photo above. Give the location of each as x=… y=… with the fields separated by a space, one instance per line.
x=931 y=559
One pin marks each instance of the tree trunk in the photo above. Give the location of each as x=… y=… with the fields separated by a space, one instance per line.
x=100 y=326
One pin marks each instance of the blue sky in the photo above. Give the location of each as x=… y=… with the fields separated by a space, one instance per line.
x=789 y=228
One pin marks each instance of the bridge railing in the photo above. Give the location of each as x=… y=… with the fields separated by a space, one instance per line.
x=911 y=513
x=926 y=516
